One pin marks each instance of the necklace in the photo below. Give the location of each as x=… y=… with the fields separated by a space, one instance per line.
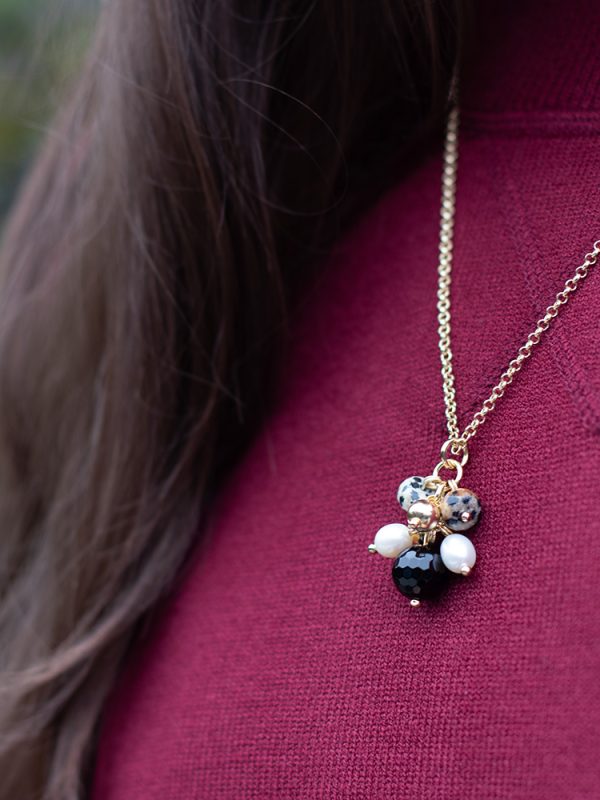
x=432 y=544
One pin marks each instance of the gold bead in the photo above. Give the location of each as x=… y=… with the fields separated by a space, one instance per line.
x=415 y=603
x=465 y=570
x=424 y=515
x=416 y=537
x=372 y=548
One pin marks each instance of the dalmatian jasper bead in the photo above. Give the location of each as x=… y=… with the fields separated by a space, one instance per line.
x=411 y=490
x=460 y=509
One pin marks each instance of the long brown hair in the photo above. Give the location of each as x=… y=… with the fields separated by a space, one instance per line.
x=209 y=154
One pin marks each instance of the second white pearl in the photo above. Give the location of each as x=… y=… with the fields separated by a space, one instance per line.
x=458 y=553
x=391 y=540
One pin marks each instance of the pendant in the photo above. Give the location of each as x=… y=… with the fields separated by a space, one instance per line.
x=431 y=545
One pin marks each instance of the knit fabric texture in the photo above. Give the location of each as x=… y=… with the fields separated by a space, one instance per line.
x=286 y=664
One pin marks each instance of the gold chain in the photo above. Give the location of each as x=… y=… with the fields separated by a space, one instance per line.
x=457 y=440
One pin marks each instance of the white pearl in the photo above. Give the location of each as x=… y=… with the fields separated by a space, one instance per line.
x=391 y=540
x=458 y=553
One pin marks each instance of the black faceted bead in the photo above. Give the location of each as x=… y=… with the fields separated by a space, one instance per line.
x=419 y=573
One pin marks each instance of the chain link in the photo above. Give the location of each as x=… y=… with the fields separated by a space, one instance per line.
x=457 y=439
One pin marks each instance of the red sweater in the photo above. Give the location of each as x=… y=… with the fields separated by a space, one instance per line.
x=287 y=665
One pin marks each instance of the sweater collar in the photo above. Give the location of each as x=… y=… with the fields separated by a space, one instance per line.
x=533 y=55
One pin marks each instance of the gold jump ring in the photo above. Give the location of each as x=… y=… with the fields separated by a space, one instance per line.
x=449 y=463
x=452 y=449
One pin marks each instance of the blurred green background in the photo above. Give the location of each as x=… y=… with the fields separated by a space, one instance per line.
x=42 y=43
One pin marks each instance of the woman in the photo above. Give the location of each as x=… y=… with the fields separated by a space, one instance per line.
x=206 y=410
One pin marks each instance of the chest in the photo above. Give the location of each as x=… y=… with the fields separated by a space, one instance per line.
x=287 y=664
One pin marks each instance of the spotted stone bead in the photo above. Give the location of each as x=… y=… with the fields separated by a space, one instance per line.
x=461 y=509
x=411 y=490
